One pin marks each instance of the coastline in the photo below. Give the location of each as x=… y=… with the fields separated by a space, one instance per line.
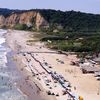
x=16 y=74
x=17 y=41
x=30 y=88
x=8 y=72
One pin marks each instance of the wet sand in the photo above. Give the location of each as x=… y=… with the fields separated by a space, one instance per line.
x=8 y=73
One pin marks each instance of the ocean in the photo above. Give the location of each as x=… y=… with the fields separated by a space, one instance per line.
x=8 y=73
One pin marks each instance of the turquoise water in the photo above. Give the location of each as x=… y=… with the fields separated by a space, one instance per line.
x=8 y=74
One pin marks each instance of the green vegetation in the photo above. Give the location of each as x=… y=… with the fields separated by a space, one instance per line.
x=74 y=42
x=21 y=27
x=68 y=31
x=68 y=21
x=71 y=21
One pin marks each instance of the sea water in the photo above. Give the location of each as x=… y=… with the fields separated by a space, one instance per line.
x=8 y=89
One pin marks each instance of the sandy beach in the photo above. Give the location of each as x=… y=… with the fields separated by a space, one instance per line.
x=27 y=85
x=33 y=84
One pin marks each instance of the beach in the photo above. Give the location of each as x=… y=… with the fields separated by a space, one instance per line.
x=8 y=73
x=29 y=87
x=32 y=60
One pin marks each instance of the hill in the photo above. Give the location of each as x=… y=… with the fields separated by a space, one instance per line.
x=50 y=20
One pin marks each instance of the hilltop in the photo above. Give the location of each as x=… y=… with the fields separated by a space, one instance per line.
x=50 y=20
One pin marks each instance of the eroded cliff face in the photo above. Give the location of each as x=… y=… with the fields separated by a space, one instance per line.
x=28 y=18
x=41 y=22
x=2 y=20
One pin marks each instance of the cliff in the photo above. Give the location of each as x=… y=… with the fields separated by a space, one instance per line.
x=28 y=18
x=50 y=20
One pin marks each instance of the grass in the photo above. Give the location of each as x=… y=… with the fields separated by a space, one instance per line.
x=76 y=42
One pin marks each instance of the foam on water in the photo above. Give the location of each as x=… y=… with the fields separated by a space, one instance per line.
x=2 y=40
x=8 y=91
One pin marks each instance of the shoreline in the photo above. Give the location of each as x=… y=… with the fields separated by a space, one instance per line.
x=12 y=66
x=31 y=88
x=8 y=72
x=17 y=41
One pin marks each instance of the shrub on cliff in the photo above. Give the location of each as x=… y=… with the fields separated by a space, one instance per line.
x=21 y=27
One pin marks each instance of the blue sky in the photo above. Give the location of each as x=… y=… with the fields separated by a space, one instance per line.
x=90 y=6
